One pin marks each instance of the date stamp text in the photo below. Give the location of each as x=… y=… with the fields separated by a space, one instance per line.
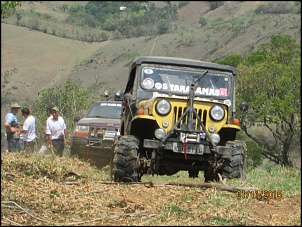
x=259 y=194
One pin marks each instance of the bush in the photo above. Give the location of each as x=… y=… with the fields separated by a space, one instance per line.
x=254 y=154
x=203 y=21
x=163 y=27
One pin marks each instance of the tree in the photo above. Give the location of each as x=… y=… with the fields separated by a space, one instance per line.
x=65 y=7
x=8 y=7
x=70 y=98
x=163 y=26
x=233 y=60
x=269 y=80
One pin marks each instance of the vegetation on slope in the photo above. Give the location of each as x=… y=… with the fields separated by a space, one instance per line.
x=215 y=32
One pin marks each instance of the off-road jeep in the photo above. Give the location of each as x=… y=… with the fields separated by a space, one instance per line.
x=179 y=114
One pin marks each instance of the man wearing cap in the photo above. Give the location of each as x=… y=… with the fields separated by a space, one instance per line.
x=29 y=130
x=12 y=128
x=56 y=130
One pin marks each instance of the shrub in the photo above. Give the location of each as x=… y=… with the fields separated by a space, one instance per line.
x=203 y=21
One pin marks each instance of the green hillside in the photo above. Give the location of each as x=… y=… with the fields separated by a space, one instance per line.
x=32 y=60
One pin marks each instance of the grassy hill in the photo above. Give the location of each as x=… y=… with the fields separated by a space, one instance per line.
x=33 y=60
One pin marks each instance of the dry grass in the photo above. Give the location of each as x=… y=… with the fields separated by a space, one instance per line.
x=48 y=190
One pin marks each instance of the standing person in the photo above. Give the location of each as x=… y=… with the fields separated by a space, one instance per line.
x=29 y=130
x=45 y=145
x=56 y=130
x=12 y=128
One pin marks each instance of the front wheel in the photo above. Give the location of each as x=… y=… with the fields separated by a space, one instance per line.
x=125 y=165
x=234 y=166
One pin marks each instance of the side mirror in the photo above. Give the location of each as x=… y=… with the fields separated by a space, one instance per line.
x=244 y=106
x=76 y=118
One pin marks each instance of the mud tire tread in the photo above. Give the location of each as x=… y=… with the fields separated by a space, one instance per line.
x=235 y=165
x=125 y=166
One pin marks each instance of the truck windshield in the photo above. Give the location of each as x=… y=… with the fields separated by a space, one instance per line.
x=213 y=83
x=106 y=110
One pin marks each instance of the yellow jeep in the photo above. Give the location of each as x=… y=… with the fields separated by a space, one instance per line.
x=179 y=114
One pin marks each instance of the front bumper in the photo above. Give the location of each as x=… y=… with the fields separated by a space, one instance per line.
x=220 y=150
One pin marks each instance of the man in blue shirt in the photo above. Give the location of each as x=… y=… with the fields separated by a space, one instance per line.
x=12 y=128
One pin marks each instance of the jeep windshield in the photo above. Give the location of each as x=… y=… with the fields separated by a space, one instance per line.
x=105 y=110
x=177 y=82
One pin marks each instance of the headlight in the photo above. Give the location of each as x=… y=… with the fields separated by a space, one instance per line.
x=81 y=128
x=217 y=113
x=163 y=107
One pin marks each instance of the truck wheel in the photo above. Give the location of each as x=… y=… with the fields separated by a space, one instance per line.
x=234 y=166
x=125 y=167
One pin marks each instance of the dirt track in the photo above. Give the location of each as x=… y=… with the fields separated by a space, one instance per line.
x=103 y=204
x=30 y=196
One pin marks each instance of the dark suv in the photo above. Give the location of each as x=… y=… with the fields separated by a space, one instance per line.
x=179 y=114
x=93 y=133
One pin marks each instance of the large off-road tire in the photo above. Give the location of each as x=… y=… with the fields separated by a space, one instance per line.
x=235 y=164
x=125 y=166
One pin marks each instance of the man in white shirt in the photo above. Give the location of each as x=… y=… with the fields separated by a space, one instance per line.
x=56 y=130
x=29 y=130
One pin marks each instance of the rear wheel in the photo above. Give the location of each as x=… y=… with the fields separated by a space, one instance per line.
x=125 y=165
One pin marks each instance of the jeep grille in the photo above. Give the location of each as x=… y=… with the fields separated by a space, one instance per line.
x=179 y=111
